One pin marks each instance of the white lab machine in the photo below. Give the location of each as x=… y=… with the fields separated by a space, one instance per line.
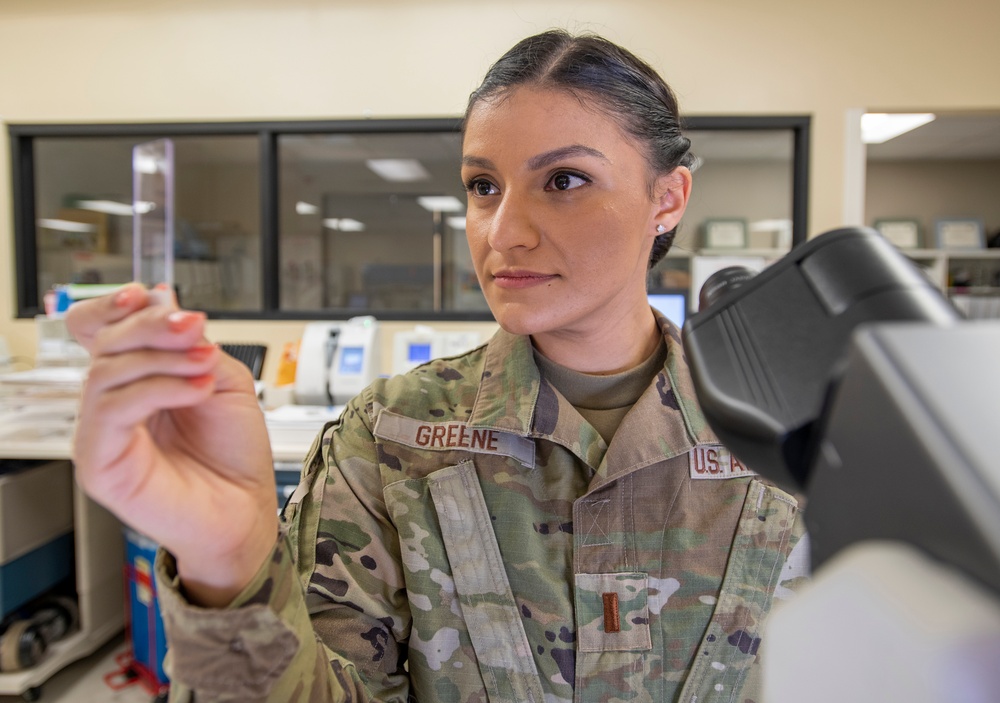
x=421 y=344
x=56 y=346
x=336 y=361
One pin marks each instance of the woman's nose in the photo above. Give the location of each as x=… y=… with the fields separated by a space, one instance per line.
x=512 y=225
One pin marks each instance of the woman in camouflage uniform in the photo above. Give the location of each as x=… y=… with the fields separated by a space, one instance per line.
x=546 y=517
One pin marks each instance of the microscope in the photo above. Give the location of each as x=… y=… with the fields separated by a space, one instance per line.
x=843 y=375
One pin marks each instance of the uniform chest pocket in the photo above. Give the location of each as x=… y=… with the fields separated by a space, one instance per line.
x=612 y=612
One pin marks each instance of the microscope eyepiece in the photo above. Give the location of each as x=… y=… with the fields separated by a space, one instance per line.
x=723 y=280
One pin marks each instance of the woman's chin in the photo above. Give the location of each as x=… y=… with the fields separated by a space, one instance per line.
x=522 y=319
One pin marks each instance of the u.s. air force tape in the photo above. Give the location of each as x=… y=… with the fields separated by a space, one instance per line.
x=448 y=436
x=715 y=461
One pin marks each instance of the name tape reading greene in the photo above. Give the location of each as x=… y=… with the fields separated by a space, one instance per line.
x=443 y=436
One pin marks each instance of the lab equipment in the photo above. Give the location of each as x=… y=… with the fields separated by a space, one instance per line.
x=292 y=430
x=842 y=373
x=56 y=346
x=765 y=351
x=704 y=267
x=252 y=355
x=146 y=635
x=421 y=344
x=153 y=213
x=297 y=425
x=336 y=360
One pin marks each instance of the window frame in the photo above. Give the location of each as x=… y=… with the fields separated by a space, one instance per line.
x=21 y=143
x=800 y=127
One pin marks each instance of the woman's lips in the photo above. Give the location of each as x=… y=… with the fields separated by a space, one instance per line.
x=521 y=279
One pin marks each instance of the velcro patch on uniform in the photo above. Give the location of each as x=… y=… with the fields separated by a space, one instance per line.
x=711 y=462
x=449 y=436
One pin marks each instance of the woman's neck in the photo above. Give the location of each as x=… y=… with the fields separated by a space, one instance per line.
x=603 y=350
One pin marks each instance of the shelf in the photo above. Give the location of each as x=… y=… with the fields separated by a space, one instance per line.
x=951 y=253
x=939 y=265
x=975 y=291
x=100 y=549
x=764 y=253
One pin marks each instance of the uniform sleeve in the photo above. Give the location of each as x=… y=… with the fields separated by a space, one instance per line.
x=326 y=616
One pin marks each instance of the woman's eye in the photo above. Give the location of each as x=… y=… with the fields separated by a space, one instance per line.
x=481 y=187
x=566 y=181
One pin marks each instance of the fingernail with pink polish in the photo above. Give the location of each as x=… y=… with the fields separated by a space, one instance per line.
x=182 y=320
x=123 y=298
x=200 y=353
x=201 y=381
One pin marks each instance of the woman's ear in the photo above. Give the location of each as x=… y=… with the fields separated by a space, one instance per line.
x=672 y=191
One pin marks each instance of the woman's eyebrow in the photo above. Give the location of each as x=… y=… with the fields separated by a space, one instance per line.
x=542 y=160
x=549 y=157
x=477 y=162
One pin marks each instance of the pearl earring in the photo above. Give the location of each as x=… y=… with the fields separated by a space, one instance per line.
x=660 y=229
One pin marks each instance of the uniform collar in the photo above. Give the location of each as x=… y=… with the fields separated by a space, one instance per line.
x=679 y=375
x=508 y=389
x=512 y=398
x=665 y=422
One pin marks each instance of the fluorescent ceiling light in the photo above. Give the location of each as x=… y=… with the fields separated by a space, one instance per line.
x=399 y=170
x=441 y=203
x=304 y=208
x=67 y=225
x=456 y=222
x=349 y=225
x=344 y=224
x=878 y=127
x=141 y=207
x=110 y=207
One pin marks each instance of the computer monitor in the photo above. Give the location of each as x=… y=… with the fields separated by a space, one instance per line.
x=672 y=303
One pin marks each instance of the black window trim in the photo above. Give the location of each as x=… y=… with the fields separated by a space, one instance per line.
x=800 y=126
x=21 y=138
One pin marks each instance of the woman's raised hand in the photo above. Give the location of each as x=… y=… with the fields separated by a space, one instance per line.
x=171 y=439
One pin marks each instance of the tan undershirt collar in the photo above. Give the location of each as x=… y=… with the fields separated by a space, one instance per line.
x=603 y=401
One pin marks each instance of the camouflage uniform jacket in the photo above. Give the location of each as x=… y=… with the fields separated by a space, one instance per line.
x=462 y=534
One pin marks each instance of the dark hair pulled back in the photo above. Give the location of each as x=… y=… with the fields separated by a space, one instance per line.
x=620 y=84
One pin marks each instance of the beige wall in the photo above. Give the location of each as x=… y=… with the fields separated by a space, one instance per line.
x=112 y=60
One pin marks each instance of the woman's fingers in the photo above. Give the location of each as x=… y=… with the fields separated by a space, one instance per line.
x=169 y=426
x=123 y=391
x=86 y=318
x=155 y=327
x=131 y=404
x=164 y=328
x=111 y=371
